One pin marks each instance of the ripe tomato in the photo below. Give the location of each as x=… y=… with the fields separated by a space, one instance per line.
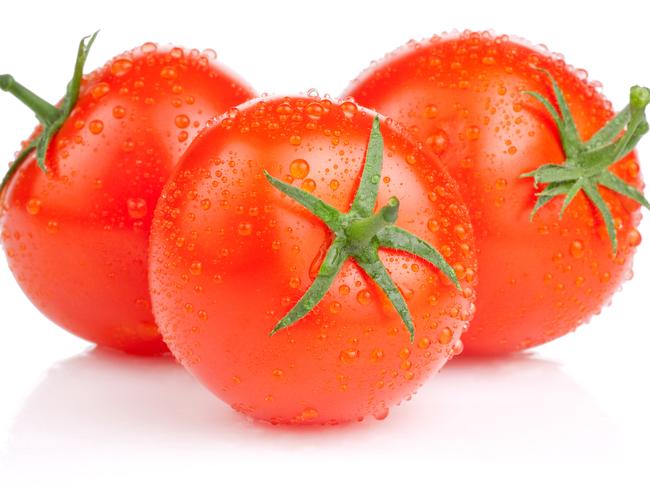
x=231 y=255
x=76 y=237
x=463 y=96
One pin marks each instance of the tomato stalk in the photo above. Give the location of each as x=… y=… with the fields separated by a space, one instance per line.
x=358 y=235
x=50 y=117
x=587 y=163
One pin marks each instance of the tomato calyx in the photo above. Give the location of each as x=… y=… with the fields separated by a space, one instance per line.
x=50 y=117
x=359 y=234
x=587 y=163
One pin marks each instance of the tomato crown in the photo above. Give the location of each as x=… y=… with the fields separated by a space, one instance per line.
x=50 y=117
x=358 y=234
x=587 y=163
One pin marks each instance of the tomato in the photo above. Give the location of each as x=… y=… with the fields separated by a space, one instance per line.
x=234 y=262
x=465 y=97
x=76 y=236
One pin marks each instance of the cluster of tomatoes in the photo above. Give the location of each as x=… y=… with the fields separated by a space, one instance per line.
x=314 y=260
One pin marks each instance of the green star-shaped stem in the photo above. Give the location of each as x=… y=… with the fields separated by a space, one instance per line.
x=358 y=235
x=587 y=163
x=50 y=117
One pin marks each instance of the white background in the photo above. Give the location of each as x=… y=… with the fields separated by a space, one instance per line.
x=574 y=411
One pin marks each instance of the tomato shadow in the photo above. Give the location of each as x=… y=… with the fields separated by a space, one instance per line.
x=106 y=405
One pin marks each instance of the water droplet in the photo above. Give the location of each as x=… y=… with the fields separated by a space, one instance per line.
x=206 y=204
x=182 y=136
x=295 y=140
x=335 y=307
x=500 y=184
x=308 y=414
x=203 y=315
x=121 y=66
x=473 y=132
x=299 y=168
x=169 y=73
x=148 y=47
x=430 y=111
x=100 y=89
x=381 y=413
x=136 y=208
x=512 y=150
x=314 y=110
x=445 y=336
x=119 y=112
x=196 y=268
x=458 y=348
x=460 y=231
x=182 y=121
x=433 y=225
x=334 y=184
x=374 y=179
x=577 y=249
x=364 y=297
x=294 y=282
x=33 y=206
x=424 y=343
x=176 y=53
x=96 y=126
x=277 y=373
x=349 y=356
x=210 y=53
x=376 y=355
x=349 y=109
x=438 y=141
x=245 y=229
x=344 y=290
x=605 y=277
x=634 y=238
x=308 y=185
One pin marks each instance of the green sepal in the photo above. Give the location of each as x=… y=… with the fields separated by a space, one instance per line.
x=358 y=235
x=588 y=164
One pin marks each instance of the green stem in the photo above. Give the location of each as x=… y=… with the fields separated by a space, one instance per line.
x=360 y=232
x=45 y=112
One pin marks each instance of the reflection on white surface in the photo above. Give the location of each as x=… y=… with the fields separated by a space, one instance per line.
x=104 y=412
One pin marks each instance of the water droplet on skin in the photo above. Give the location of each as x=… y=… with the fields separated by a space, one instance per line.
x=349 y=356
x=344 y=290
x=458 y=348
x=445 y=336
x=577 y=249
x=148 y=47
x=294 y=282
x=196 y=268
x=206 y=204
x=433 y=225
x=121 y=66
x=202 y=314
x=245 y=229
x=430 y=111
x=136 y=208
x=119 y=112
x=381 y=413
x=634 y=238
x=182 y=121
x=424 y=343
x=308 y=414
x=299 y=168
x=33 y=206
x=376 y=355
x=210 y=54
x=438 y=141
x=96 y=126
x=182 y=136
x=295 y=140
x=277 y=373
x=308 y=185
x=100 y=89
x=364 y=297
x=169 y=73
x=335 y=307
x=500 y=184
x=314 y=110
x=374 y=179
x=349 y=109
x=473 y=132
x=605 y=277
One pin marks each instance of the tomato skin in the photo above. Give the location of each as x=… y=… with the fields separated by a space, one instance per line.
x=230 y=255
x=76 y=238
x=461 y=95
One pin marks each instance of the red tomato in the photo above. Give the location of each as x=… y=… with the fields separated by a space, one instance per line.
x=76 y=237
x=230 y=255
x=461 y=95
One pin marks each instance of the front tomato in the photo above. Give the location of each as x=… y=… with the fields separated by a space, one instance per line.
x=231 y=255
